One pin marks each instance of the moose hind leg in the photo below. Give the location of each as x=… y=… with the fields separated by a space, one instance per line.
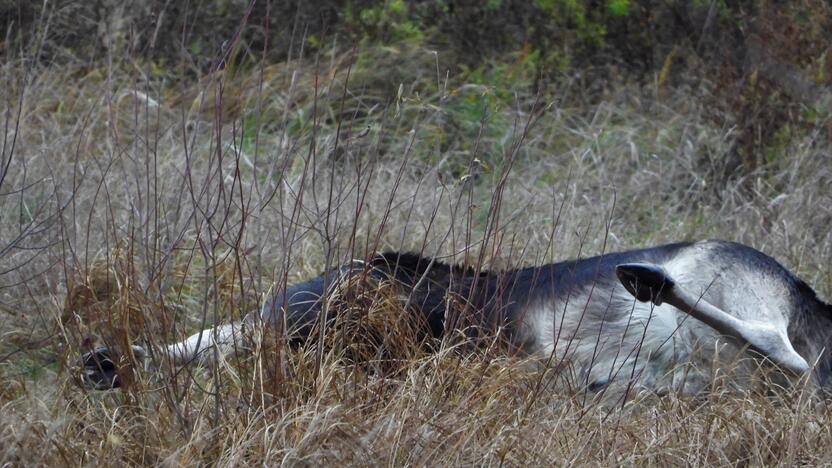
x=203 y=347
x=649 y=282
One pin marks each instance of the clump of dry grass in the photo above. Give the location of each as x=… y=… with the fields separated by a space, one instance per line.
x=218 y=190
x=102 y=299
x=371 y=323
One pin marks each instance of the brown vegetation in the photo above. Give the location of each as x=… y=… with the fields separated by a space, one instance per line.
x=139 y=207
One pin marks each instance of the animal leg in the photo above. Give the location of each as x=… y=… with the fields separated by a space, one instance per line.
x=101 y=369
x=649 y=282
x=200 y=347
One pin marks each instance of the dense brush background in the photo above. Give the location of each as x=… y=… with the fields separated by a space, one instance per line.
x=165 y=163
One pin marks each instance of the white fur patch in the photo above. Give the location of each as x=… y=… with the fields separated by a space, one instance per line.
x=610 y=336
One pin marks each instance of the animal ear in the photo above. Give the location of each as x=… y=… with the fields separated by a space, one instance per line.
x=645 y=281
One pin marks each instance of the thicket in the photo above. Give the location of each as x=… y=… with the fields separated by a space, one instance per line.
x=556 y=36
x=767 y=62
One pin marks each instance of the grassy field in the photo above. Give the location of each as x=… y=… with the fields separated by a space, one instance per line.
x=138 y=208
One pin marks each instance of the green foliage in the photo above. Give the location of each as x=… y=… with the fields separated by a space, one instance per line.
x=504 y=79
x=565 y=33
x=619 y=7
x=493 y=5
x=386 y=22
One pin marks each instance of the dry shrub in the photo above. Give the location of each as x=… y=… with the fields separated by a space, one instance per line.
x=104 y=301
x=371 y=324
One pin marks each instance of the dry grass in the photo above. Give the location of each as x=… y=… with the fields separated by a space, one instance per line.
x=152 y=209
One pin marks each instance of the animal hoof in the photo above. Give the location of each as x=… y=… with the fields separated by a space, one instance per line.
x=100 y=372
x=644 y=281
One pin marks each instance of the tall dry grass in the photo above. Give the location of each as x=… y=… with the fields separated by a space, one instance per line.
x=142 y=210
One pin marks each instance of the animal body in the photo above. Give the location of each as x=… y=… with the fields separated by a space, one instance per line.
x=661 y=317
